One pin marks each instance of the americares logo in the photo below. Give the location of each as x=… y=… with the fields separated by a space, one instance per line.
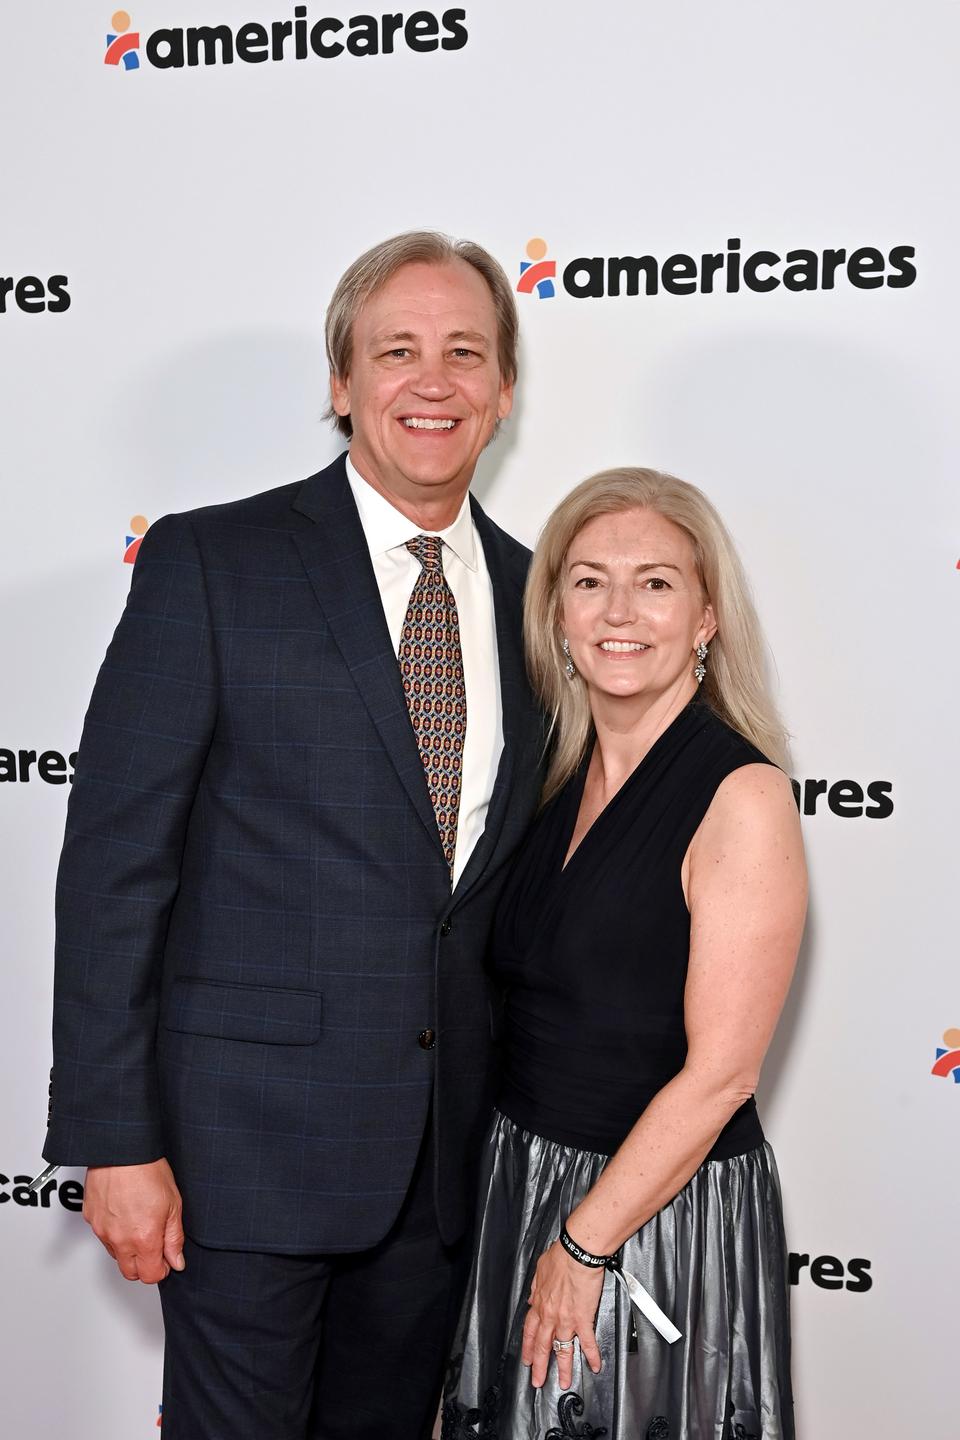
x=170 y=48
x=32 y=295
x=139 y=524
x=536 y=272
x=51 y=766
x=827 y=1272
x=948 y=1056
x=122 y=43
x=846 y=798
x=594 y=277
x=16 y=1189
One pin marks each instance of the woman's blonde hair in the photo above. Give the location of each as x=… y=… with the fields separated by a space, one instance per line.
x=734 y=687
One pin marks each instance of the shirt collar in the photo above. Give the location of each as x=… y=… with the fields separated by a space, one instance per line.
x=387 y=528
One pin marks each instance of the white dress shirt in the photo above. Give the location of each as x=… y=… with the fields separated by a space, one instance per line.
x=387 y=531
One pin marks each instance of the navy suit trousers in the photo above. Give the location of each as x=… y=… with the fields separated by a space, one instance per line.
x=312 y=1347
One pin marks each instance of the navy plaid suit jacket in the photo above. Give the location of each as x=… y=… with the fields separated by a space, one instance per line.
x=254 y=917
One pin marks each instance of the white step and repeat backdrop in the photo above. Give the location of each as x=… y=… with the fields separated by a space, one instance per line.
x=736 y=226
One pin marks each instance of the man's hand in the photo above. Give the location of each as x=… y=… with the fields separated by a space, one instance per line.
x=135 y=1212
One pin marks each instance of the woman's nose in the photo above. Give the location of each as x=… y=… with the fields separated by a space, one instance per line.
x=621 y=604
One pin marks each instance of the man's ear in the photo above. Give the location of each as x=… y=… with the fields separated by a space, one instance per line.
x=340 y=393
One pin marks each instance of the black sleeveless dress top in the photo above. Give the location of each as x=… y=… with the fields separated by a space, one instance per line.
x=593 y=958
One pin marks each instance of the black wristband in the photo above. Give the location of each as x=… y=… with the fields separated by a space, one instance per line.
x=593 y=1262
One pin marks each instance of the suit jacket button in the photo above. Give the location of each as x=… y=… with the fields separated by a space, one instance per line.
x=446 y=927
x=427 y=1039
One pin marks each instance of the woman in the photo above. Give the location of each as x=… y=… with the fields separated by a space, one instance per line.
x=645 y=942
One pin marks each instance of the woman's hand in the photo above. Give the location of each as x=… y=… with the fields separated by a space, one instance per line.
x=563 y=1303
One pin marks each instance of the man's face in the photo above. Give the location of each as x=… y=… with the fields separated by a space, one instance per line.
x=424 y=391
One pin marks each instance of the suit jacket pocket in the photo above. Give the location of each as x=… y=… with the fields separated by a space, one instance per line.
x=255 y=1013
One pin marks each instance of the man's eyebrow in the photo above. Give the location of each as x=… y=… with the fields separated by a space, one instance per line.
x=387 y=337
x=390 y=337
x=647 y=565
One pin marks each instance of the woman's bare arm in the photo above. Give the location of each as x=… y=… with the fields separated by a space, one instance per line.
x=746 y=889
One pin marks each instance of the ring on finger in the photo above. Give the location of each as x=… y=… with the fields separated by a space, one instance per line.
x=561 y=1345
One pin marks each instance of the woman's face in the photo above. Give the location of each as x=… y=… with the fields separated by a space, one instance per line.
x=632 y=610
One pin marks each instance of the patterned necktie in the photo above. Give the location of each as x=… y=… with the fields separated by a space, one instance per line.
x=431 y=668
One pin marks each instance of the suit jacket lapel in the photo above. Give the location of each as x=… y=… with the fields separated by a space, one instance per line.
x=338 y=564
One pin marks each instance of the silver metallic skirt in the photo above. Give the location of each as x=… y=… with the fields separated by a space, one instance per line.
x=714 y=1260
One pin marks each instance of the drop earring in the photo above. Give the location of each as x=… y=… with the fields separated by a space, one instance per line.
x=700 y=669
x=568 y=665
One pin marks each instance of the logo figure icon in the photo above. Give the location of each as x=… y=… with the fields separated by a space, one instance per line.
x=536 y=273
x=948 y=1056
x=139 y=524
x=122 y=42
x=159 y=1416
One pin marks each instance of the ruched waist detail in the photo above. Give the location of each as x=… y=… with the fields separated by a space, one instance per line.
x=589 y=1093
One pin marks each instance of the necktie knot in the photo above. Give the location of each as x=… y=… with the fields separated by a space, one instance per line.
x=427 y=549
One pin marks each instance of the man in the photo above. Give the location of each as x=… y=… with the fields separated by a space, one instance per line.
x=309 y=755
